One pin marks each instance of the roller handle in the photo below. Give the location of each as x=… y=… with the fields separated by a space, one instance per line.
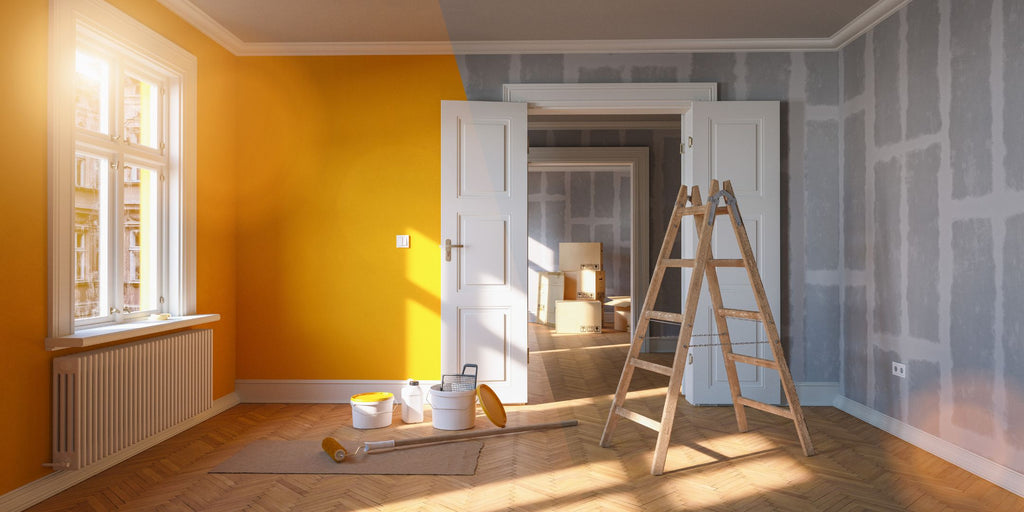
x=485 y=433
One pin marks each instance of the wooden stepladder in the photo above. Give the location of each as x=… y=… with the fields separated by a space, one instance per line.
x=704 y=265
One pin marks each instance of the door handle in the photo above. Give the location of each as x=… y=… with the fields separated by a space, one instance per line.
x=448 y=246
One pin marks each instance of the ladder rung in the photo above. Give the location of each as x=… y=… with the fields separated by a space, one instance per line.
x=651 y=367
x=779 y=411
x=665 y=317
x=688 y=263
x=740 y=313
x=638 y=418
x=764 y=363
x=699 y=210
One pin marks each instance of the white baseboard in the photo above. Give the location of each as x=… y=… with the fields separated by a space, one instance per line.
x=993 y=472
x=52 y=484
x=315 y=391
x=817 y=393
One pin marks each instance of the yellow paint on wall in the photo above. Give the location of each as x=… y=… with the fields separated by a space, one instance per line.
x=337 y=156
x=25 y=379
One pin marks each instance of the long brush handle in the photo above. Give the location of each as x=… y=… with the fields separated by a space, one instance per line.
x=381 y=445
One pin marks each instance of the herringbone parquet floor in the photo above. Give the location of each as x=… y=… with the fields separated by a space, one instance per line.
x=710 y=466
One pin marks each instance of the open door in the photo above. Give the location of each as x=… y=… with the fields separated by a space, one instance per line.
x=738 y=141
x=484 y=241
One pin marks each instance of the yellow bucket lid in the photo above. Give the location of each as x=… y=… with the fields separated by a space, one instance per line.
x=491 y=405
x=376 y=396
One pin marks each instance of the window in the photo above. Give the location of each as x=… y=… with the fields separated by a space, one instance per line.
x=122 y=124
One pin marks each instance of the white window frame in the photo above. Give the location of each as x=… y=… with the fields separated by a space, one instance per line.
x=180 y=291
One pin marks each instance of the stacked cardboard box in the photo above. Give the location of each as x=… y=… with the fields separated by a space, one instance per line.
x=551 y=289
x=583 y=288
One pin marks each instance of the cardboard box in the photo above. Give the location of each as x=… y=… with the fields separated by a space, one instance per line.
x=551 y=288
x=577 y=316
x=572 y=256
x=590 y=285
x=621 y=318
x=572 y=281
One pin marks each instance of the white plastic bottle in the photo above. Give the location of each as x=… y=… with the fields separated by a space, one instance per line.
x=412 y=403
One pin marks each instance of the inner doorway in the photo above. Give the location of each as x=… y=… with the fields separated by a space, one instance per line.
x=590 y=194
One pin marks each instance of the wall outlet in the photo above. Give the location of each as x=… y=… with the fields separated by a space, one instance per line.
x=899 y=370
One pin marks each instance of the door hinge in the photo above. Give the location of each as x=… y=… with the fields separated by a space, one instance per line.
x=689 y=359
x=689 y=141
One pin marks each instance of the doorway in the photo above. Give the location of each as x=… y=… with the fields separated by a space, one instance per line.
x=590 y=194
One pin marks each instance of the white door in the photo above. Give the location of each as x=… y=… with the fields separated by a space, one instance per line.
x=738 y=141
x=483 y=209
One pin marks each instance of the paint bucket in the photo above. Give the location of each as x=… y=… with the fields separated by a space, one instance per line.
x=372 y=410
x=452 y=410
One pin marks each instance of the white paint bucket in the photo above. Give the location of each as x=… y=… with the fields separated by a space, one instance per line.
x=372 y=410
x=452 y=410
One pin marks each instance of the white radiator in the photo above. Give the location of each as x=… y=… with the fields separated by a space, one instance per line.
x=107 y=400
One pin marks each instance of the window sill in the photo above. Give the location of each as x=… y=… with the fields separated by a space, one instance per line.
x=110 y=333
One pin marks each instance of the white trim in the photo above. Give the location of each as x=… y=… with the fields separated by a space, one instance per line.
x=52 y=484
x=993 y=472
x=125 y=30
x=866 y=21
x=584 y=123
x=618 y=98
x=99 y=335
x=207 y=25
x=287 y=391
x=637 y=160
x=817 y=393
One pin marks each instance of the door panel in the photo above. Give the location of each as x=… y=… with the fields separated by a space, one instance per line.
x=483 y=209
x=737 y=141
x=485 y=335
x=483 y=163
x=487 y=263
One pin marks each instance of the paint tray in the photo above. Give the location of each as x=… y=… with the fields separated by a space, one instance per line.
x=462 y=382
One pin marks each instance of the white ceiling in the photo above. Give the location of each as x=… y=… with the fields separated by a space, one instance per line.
x=345 y=27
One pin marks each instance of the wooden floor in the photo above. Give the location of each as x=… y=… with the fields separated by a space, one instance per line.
x=710 y=466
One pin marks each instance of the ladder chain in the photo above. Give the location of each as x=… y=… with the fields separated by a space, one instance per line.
x=702 y=345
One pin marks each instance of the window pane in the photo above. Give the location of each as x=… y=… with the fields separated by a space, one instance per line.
x=141 y=112
x=90 y=237
x=141 y=239
x=92 y=93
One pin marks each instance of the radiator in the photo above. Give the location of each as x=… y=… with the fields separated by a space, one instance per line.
x=107 y=400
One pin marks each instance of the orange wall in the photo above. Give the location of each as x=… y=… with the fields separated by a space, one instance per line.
x=25 y=379
x=337 y=155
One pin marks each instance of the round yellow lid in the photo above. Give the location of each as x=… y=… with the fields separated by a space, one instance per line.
x=376 y=396
x=491 y=405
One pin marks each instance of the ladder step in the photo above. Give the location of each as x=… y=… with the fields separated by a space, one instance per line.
x=688 y=263
x=740 y=313
x=757 y=361
x=665 y=317
x=778 y=411
x=638 y=418
x=699 y=210
x=651 y=367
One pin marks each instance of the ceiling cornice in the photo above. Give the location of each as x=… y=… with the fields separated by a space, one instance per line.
x=209 y=26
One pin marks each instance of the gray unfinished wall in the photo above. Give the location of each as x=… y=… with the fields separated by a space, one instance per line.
x=579 y=206
x=807 y=84
x=933 y=221
x=664 y=161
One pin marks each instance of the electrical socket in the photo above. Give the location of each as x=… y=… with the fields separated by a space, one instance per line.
x=899 y=370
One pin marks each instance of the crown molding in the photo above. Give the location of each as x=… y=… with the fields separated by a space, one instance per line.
x=866 y=21
x=207 y=25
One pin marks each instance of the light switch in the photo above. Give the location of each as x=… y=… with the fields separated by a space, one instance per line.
x=402 y=241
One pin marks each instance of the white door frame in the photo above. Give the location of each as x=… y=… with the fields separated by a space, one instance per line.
x=637 y=162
